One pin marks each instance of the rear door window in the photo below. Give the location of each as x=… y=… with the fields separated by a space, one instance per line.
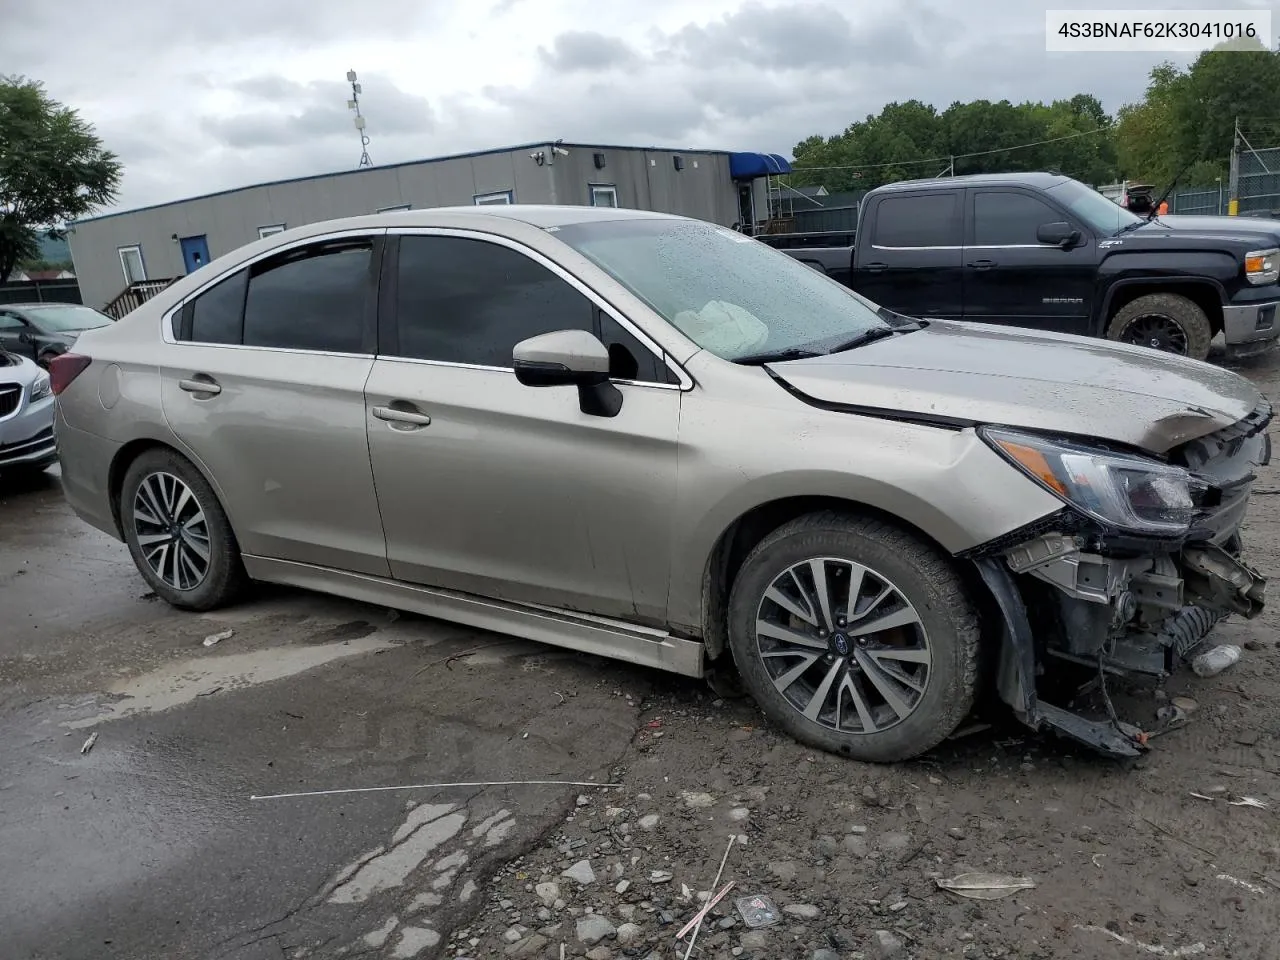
x=918 y=220
x=319 y=297
x=313 y=298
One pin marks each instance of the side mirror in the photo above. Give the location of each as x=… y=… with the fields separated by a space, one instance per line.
x=569 y=358
x=1058 y=234
x=25 y=337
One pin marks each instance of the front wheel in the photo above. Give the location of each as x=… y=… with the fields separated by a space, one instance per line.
x=178 y=534
x=1163 y=321
x=855 y=637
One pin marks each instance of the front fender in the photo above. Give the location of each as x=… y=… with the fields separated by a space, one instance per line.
x=948 y=484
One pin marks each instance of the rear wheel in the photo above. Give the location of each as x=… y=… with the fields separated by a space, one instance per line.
x=855 y=637
x=1163 y=321
x=178 y=534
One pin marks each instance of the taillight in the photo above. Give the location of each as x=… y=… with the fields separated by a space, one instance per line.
x=64 y=368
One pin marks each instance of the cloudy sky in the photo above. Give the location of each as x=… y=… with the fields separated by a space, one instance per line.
x=203 y=96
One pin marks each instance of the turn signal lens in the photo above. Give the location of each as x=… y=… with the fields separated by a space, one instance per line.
x=1034 y=462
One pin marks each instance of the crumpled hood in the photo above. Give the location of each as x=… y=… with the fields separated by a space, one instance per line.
x=1057 y=383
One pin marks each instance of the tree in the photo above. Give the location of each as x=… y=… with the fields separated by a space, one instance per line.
x=52 y=169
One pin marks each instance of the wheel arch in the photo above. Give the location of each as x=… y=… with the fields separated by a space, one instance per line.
x=1204 y=292
x=738 y=539
x=130 y=452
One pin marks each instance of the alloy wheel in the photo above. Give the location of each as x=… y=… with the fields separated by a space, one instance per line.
x=1157 y=331
x=171 y=530
x=843 y=645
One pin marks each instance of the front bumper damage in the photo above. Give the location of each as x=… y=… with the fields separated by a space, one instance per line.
x=1071 y=593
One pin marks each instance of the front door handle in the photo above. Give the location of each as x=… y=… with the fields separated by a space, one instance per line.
x=392 y=415
x=200 y=386
x=981 y=264
x=876 y=267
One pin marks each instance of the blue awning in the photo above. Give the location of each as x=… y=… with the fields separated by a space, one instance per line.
x=751 y=166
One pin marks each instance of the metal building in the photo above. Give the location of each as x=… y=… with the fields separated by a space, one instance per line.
x=123 y=258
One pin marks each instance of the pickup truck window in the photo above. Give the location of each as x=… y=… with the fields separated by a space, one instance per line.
x=1007 y=219
x=1102 y=215
x=919 y=220
x=728 y=293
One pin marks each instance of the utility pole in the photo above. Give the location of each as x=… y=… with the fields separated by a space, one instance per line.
x=1233 y=183
x=354 y=104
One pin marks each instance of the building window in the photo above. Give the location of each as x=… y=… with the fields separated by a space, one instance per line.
x=135 y=271
x=270 y=230
x=604 y=195
x=398 y=206
x=485 y=199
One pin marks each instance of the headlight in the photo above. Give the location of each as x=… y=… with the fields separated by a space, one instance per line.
x=1262 y=266
x=41 y=387
x=1129 y=492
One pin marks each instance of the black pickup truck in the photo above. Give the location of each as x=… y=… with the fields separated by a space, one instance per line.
x=1045 y=251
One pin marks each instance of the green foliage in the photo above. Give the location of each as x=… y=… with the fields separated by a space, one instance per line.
x=1185 y=122
x=913 y=139
x=52 y=169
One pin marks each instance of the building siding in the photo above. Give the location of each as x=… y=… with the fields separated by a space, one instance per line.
x=644 y=179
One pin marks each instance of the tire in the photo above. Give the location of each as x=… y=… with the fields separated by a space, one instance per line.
x=1193 y=333
x=223 y=579
x=908 y=578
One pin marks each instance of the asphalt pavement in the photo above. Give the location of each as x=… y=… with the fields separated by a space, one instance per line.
x=150 y=844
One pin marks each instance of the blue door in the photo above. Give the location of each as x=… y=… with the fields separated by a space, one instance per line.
x=195 y=252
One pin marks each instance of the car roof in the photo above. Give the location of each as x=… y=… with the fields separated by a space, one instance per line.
x=43 y=305
x=1032 y=179
x=534 y=214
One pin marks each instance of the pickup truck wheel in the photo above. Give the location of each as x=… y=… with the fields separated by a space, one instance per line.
x=855 y=637
x=1163 y=321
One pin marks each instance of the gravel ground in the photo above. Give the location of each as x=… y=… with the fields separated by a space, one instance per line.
x=1125 y=861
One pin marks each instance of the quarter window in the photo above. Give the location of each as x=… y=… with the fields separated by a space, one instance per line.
x=1002 y=219
x=217 y=314
x=313 y=298
x=919 y=220
x=470 y=301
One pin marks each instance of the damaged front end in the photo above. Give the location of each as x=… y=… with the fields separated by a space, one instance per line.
x=1142 y=562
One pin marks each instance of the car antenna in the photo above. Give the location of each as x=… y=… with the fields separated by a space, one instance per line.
x=1151 y=214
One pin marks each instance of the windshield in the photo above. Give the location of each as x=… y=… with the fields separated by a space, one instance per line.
x=1101 y=214
x=65 y=318
x=728 y=293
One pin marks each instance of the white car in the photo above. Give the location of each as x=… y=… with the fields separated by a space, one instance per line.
x=26 y=416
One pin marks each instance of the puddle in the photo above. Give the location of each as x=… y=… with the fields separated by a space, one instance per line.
x=180 y=683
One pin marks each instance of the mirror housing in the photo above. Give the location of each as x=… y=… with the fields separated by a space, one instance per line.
x=25 y=337
x=569 y=358
x=1058 y=234
x=561 y=358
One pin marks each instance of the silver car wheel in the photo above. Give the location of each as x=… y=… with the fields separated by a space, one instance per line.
x=172 y=532
x=843 y=645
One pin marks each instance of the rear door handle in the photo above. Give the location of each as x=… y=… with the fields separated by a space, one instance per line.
x=981 y=264
x=876 y=267
x=200 y=386
x=392 y=415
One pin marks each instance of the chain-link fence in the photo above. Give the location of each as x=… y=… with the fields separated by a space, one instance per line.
x=1258 y=182
x=1210 y=203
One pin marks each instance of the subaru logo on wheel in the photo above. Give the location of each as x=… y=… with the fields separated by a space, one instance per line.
x=841 y=644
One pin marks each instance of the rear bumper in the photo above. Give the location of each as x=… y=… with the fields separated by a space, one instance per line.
x=86 y=471
x=1251 y=328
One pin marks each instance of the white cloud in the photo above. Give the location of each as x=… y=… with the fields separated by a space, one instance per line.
x=205 y=97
